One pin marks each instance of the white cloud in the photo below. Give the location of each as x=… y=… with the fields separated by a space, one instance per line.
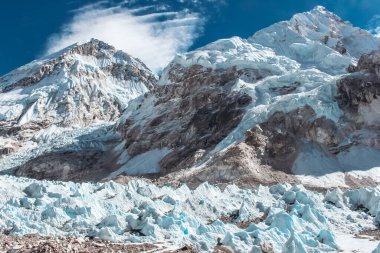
x=376 y=32
x=374 y=26
x=154 y=38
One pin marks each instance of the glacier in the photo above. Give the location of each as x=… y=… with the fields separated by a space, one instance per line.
x=283 y=218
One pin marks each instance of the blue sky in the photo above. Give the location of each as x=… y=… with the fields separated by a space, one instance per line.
x=150 y=29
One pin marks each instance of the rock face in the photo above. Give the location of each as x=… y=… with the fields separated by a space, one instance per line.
x=284 y=133
x=270 y=149
x=68 y=166
x=195 y=106
x=358 y=93
x=203 y=111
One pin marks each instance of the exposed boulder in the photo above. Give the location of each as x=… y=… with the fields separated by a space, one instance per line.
x=69 y=166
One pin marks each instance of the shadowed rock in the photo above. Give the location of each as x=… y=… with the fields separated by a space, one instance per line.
x=363 y=86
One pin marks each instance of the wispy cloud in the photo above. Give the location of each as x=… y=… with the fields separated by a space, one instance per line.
x=154 y=37
x=374 y=26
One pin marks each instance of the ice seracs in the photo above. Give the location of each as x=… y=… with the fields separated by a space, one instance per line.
x=276 y=218
x=238 y=52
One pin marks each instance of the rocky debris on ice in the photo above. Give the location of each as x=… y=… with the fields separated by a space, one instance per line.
x=35 y=243
x=276 y=218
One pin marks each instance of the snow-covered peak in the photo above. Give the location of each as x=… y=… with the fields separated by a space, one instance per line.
x=78 y=85
x=314 y=39
x=325 y=26
x=322 y=11
x=65 y=100
x=318 y=38
x=94 y=55
x=91 y=47
x=320 y=8
x=99 y=50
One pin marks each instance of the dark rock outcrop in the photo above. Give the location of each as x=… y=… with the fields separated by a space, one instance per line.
x=362 y=86
x=91 y=165
x=192 y=114
x=281 y=136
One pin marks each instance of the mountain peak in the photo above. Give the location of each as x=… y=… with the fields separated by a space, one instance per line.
x=92 y=47
x=92 y=52
x=319 y=14
x=63 y=87
x=321 y=30
x=87 y=47
x=321 y=9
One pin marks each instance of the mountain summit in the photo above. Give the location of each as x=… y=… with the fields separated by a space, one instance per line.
x=47 y=104
x=79 y=85
x=318 y=38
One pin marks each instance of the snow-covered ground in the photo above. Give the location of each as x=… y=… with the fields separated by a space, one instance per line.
x=350 y=243
x=283 y=217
